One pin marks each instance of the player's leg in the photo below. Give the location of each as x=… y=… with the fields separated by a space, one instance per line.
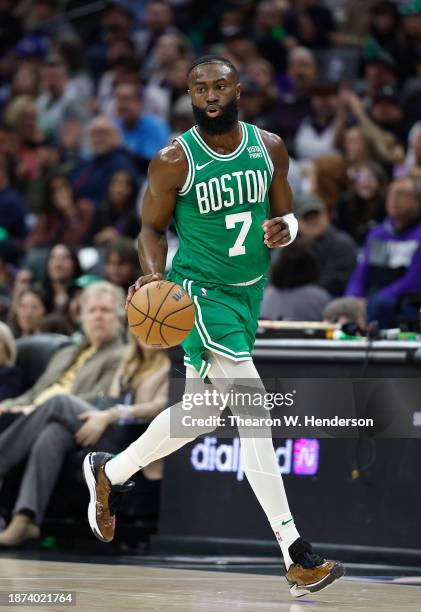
x=107 y=476
x=306 y=571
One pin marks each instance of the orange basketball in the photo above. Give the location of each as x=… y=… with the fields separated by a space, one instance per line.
x=161 y=314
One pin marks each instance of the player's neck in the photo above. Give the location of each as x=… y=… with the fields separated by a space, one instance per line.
x=223 y=143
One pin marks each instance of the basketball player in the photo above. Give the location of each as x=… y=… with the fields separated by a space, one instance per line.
x=225 y=184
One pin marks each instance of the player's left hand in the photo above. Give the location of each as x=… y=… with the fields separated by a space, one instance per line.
x=96 y=422
x=276 y=232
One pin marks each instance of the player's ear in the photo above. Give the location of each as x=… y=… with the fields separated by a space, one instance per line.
x=238 y=91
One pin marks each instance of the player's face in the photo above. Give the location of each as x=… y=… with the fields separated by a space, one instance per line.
x=100 y=318
x=214 y=93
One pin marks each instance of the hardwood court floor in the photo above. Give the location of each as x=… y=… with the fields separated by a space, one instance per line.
x=115 y=588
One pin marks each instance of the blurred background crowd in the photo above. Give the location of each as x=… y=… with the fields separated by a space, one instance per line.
x=90 y=91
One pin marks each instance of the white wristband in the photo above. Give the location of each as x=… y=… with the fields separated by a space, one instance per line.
x=291 y=220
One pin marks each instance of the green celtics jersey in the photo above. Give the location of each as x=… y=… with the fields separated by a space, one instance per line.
x=220 y=209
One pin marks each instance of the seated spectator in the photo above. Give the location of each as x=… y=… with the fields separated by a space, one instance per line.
x=327 y=178
x=335 y=251
x=316 y=133
x=57 y=97
x=7 y=273
x=293 y=292
x=410 y=38
x=85 y=369
x=413 y=159
x=123 y=67
x=386 y=112
x=356 y=147
x=11 y=379
x=64 y=218
x=25 y=81
x=12 y=206
x=158 y=20
x=45 y=19
x=160 y=99
x=390 y=266
x=302 y=74
x=61 y=411
x=29 y=170
x=122 y=263
x=75 y=293
x=28 y=311
x=362 y=208
x=380 y=71
x=21 y=280
x=375 y=143
x=384 y=25
x=268 y=32
x=62 y=268
x=260 y=71
x=310 y=23
x=91 y=178
x=71 y=50
x=168 y=49
x=117 y=214
x=143 y=134
x=70 y=143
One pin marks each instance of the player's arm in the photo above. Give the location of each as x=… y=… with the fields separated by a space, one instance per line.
x=281 y=229
x=166 y=175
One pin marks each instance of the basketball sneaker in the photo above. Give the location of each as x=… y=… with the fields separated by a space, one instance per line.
x=309 y=572
x=105 y=498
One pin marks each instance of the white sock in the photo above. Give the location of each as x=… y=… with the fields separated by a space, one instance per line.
x=155 y=443
x=259 y=459
x=286 y=533
x=258 y=454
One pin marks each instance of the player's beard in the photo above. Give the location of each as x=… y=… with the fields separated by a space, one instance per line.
x=221 y=124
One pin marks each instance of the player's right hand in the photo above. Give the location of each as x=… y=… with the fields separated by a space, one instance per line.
x=142 y=280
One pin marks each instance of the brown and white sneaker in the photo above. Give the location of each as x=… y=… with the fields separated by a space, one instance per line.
x=309 y=572
x=104 y=497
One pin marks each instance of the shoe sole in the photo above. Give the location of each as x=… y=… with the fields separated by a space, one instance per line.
x=89 y=476
x=299 y=591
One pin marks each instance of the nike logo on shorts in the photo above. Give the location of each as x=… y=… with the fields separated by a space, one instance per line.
x=199 y=167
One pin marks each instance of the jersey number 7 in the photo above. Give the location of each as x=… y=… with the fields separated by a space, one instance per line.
x=230 y=222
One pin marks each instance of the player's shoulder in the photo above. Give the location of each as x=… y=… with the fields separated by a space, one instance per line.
x=273 y=142
x=169 y=163
x=276 y=149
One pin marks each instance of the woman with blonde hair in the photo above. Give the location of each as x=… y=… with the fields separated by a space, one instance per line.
x=10 y=375
x=138 y=392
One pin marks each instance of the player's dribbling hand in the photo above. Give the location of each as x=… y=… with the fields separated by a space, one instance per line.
x=142 y=280
x=276 y=232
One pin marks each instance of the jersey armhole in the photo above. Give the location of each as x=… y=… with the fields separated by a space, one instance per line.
x=265 y=152
x=191 y=172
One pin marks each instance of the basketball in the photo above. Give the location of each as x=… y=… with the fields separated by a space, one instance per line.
x=161 y=314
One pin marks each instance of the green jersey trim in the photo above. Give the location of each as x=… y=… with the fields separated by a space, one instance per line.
x=191 y=173
x=215 y=346
x=204 y=334
x=264 y=150
x=204 y=368
x=195 y=133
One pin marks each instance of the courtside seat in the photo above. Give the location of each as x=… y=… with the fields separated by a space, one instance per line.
x=34 y=353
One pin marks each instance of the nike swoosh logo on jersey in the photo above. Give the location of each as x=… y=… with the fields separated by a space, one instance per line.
x=198 y=167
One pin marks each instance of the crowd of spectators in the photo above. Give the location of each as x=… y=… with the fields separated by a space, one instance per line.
x=90 y=91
